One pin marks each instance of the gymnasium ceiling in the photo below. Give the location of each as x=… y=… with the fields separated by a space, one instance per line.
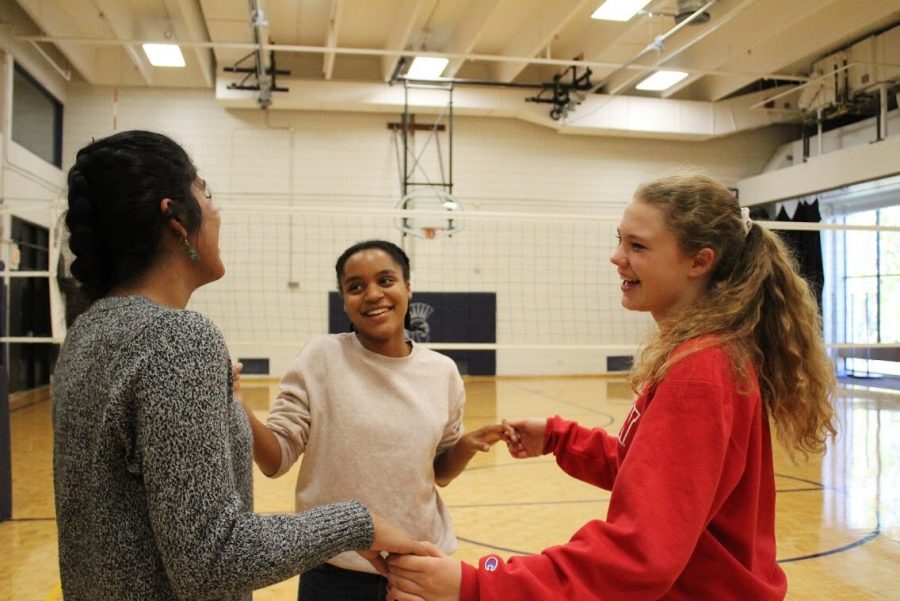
x=341 y=54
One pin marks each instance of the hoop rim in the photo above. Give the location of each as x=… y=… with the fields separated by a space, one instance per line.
x=433 y=227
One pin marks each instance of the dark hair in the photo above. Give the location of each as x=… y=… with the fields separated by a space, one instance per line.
x=114 y=218
x=395 y=252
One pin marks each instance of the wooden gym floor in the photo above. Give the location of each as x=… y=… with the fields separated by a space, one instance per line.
x=838 y=516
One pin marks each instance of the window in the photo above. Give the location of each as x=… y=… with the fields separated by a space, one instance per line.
x=866 y=291
x=36 y=118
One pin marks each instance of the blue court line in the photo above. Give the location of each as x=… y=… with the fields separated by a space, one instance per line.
x=857 y=543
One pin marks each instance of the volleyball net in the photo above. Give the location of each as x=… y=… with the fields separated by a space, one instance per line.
x=556 y=297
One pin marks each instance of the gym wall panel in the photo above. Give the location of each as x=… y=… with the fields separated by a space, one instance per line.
x=349 y=159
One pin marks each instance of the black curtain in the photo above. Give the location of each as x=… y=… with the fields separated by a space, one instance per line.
x=806 y=245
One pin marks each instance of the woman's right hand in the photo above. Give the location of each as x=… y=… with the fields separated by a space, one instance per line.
x=236 y=377
x=434 y=578
x=530 y=434
x=391 y=539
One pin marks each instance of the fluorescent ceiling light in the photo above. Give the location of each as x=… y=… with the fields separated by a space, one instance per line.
x=426 y=67
x=661 y=80
x=164 y=55
x=619 y=10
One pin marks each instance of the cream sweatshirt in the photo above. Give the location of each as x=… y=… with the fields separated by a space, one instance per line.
x=369 y=428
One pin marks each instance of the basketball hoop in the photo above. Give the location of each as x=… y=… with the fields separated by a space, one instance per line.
x=428 y=214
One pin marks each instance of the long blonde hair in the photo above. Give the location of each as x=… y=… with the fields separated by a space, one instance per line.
x=756 y=305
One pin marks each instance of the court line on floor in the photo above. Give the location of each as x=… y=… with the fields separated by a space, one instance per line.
x=817 y=487
x=610 y=419
x=528 y=503
x=857 y=543
x=494 y=547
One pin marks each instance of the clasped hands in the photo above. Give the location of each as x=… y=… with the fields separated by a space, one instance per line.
x=433 y=575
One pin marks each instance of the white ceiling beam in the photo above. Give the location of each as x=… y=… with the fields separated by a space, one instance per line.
x=801 y=41
x=379 y=52
x=331 y=40
x=633 y=39
x=187 y=19
x=227 y=23
x=398 y=39
x=691 y=36
x=121 y=22
x=536 y=35
x=720 y=45
x=53 y=18
x=599 y=115
x=466 y=36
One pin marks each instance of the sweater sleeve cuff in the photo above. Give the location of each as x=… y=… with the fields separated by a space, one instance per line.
x=468 y=588
x=346 y=526
x=552 y=432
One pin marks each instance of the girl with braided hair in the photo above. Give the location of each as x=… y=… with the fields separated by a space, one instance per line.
x=152 y=454
x=692 y=509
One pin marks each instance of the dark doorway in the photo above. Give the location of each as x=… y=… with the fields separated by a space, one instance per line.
x=30 y=364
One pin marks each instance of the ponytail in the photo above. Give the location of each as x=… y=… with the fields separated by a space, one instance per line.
x=755 y=305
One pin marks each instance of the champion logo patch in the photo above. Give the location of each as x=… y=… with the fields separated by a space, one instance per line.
x=491 y=563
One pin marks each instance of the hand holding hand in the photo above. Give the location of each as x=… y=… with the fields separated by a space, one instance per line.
x=391 y=539
x=436 y=577
x=529 y=439
x=484 y=438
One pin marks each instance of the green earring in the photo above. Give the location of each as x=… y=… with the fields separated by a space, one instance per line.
x=191 y=251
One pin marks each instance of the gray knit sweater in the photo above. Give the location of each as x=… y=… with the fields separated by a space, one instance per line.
x=153 y=467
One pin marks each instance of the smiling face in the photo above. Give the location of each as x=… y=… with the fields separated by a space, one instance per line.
x=657 y=276
x=376 y=297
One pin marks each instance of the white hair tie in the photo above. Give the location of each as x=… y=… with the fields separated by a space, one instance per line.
x=745 y=220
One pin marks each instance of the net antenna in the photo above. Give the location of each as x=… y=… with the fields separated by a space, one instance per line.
x=426 y=165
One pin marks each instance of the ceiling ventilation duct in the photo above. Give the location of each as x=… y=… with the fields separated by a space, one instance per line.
x=688 y=7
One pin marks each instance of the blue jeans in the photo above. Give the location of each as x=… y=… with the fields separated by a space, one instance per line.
x=330 y=583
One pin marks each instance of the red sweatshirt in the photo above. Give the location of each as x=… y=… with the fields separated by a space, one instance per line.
x=692 y=510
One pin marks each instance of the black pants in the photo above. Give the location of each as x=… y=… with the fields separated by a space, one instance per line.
x=329 y=583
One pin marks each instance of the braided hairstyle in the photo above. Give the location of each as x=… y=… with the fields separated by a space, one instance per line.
x=114 y=219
